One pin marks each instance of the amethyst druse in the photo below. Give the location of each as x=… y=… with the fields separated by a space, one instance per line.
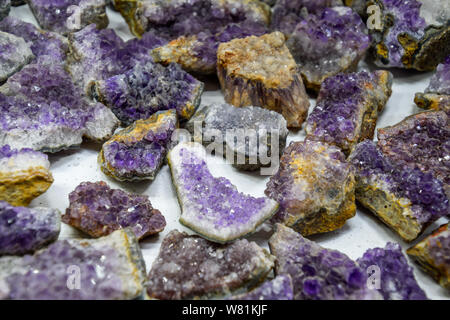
x=397 y=281
x=190 y=267
x=98 y=210
x=5 y=7
x=279 y=288
x=15 y=53
x=139 y=151
x=347 y=108
x=212 y=206
x=24 y=230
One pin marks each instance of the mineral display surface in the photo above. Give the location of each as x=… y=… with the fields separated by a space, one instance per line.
x=190 y=267
x=318 y=273
x=433 y=255
x=109 y=268
x=24 y=230
x=98 y=210
x=212 y=206
x=24 y=175
x=397 y=281
x=279 y=288
x=139 y=151
x=14 y=54
x=261 y=133
x=260 y=71
x=347 y=108
x=5 y=6
x=315 y=187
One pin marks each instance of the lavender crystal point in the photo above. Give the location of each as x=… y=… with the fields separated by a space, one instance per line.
x=347 y=108
x=24 y=230
x=139 y=151
x=212 y=270
x=111 y=267
x=397 y=281
x=279 y=288
x=98 y=210
x=212 y=206
x=14 y=54
x=24 y=175
x=5 y=6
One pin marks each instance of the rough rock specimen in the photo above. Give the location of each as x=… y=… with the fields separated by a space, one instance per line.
x=24 y=175
x=396 y=277
x=323 y=45
x=260 y=71
x=5 y=6
x=139 y=151
x=433 y=255
x=17 y=3
x=111 y=267
x=315 y=187
x=212 y=206
x=14 y=54
x=67 y=15
x=347 y=108
x=318 y=273
x=42 y=109
x=261 y=133
x=411 y=34
x=98 y=210
x=402 y=196
x=189 y=267
x=279 y=288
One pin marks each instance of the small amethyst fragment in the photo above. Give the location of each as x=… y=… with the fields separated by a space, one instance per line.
x=98 y=210
x=279 y=288
x=14 y=54
x=397 y=281
x=5 y=6
x=25 y=230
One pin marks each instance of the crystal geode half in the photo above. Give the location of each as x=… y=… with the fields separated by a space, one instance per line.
x=433 y=255
x=212 y=206
x=24 y=175
x=279 y=288
x=25 y=230
x=189 y=267
x=5 y=6
x=318 y=273
x=98 y=210
x=14 y=55
x=260 y=133
x=315 y=188
x=347 y=108
x=109 y=268
x=260 y=71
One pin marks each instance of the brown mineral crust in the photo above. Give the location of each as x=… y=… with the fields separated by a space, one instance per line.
x=433 y=101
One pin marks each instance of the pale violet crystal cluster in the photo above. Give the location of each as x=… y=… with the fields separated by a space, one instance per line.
x=14 y=54
x=279 y=288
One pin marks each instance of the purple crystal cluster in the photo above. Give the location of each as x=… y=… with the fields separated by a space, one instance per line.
x=189 y=267
x=98 y=210
x=5 y=6
x=14 y=54
x=279 y=288
x=347 y=108
x=440 y=81
x=24 y=230
x=397 y=281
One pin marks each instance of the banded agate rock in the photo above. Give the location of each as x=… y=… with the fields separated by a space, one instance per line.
x=279 y=288
x=433 y=255
x=261 y=133
x=347 y=108
x=24 y=175
x=403 y=197
x=42 y=109
x=260 y=71
x=98 y=210
x=318 y=273
x=14 y=54
x=68 y=16
x=139 y=151
x=25 y=230
x=411 y=34
x=5 y=6
x=212 y=206
x=315 y=187
x=397 y=281
x=111 y=267
x=190 y=267
x=323 y=45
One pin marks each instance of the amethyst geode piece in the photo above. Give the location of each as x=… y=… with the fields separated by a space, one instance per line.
x=24 y=230
x=397 y=281
x=111 y=267
x=139 y=151
x=212 y=206
x=14 y=54
x=98 y=210
x=279 y=288
x=347 y=108
x=189 y=267
x=318 y=273
x=5 y=6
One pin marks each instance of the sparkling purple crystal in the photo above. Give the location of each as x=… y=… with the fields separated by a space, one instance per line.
x=279 y=288
x=14 y=54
